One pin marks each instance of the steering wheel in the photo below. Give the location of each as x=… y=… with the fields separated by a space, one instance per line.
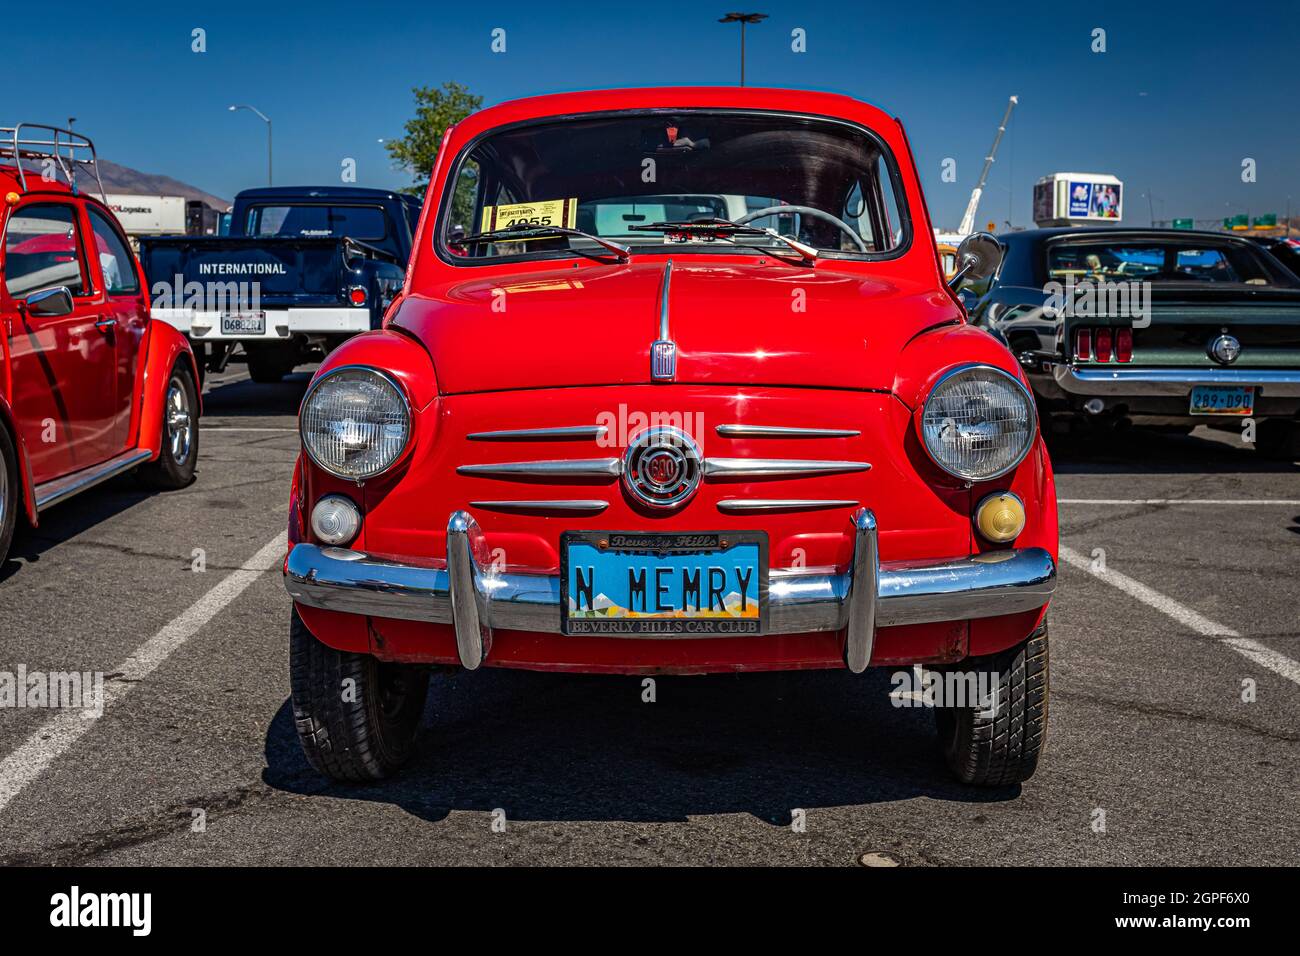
x=806 y=211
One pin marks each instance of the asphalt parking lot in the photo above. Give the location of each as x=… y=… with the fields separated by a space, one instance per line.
x=1154 y=755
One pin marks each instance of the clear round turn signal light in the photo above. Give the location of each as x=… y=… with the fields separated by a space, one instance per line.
x=335 y=520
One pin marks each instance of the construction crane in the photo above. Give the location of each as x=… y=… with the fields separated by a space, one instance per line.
x=968 y=221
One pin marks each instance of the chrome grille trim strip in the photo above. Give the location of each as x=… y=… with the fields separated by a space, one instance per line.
x=569 y=468
x=592 y=505
x=775 y=467
x=561 y=433
x=742 y=505
x=781 y=431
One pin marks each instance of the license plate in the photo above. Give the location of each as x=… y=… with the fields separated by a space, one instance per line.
x=651 y=583
x=243 y=323
x=1222 y=400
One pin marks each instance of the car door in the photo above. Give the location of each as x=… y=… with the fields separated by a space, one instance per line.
x=124 y=304
x=62 y=366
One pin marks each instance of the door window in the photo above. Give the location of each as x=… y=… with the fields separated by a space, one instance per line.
x=115 y=259
x=41 y=250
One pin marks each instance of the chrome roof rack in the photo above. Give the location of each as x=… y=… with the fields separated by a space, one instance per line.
x=35 y=141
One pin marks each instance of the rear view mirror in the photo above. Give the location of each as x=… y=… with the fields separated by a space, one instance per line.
x=978 y=257
x=56 y=301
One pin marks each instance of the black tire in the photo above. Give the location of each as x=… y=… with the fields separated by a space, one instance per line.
x=356 y=737
x=1278 y=439
x=1000 y=746
x=179 y=452
x=267 y=366
x=9 y=496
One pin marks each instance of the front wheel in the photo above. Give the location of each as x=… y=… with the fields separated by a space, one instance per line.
x=997 y=742
x=356 y=716
x=174 y=466
x=267 y=366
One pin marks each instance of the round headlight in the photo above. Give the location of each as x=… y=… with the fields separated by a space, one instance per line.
x=978 y=422
x=355 y=422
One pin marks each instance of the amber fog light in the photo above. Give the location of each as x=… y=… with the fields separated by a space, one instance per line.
x=1000 y=517
x=335 y=520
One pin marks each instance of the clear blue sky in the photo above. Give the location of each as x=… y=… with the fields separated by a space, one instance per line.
x=1184 y=92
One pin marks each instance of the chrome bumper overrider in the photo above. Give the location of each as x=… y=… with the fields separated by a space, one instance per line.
x=476 y=599
x=1276 y=383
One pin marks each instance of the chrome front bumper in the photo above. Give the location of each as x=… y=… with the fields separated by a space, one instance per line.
x=1275 y=383
x=475 y=599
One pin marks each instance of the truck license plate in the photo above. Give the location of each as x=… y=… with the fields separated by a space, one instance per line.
x=1222 y=400
x=243 y=323
x=668 y=584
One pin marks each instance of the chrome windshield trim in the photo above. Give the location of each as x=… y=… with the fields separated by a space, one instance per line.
x=569 y=468
x=561 y=433
x=782 y=431
x=775 y=467
x=744 y=505
x=593 y=505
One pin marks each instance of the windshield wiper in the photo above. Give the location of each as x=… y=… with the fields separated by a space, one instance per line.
x=537 y=232
x=725 y=229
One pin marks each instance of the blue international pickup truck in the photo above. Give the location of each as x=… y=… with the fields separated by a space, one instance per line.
x=302 y=269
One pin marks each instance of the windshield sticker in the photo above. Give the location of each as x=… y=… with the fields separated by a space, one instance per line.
x=552 y=212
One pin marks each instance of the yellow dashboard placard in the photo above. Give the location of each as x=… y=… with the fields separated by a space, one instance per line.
x=551 y=212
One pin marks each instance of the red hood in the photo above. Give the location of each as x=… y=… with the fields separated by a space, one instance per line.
x=734 y=322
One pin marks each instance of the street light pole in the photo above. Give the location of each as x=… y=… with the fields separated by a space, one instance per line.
x=742 y=19
x=267 y=120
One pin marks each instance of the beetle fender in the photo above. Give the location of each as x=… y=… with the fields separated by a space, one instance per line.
x=8 y=423
x=932 y=353
x=165 y=347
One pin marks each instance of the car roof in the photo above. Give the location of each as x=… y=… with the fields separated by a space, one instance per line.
x=318 y=192
x=10 y=182
x=670 y=98
x=1119 y=232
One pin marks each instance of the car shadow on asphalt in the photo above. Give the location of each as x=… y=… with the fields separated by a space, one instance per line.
x=1150 y=451
x=550 y=747
x=244 y=398
x=65 y=521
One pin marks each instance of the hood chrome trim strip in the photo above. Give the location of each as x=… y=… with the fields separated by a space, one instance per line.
x=561 y=433
x=575 y=468
x=781 y=431
x=663 y=351
x=775 y=467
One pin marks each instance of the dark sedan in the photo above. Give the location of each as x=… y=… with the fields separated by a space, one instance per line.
x=1152 y=326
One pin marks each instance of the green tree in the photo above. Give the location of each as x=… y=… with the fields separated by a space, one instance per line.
x=435 y=110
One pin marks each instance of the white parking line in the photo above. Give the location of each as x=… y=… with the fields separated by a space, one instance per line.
x=66 y=727
x=1289 y=502
x=1245 y=646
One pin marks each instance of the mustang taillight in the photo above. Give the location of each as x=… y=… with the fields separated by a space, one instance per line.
x=1083 y=344
x=1123 y=345
x=1103 y=345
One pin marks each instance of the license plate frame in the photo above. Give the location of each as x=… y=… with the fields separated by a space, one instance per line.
x=232 y=323
x=1198 y=402
x=656 y=548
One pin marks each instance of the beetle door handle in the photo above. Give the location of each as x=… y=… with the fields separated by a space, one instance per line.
x=105 y=324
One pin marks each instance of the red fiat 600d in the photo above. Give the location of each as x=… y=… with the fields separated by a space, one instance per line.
x=675 y=386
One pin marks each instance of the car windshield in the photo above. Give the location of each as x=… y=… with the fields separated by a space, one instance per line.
x=1155 y=260
x=652 y=178
x=317 y=220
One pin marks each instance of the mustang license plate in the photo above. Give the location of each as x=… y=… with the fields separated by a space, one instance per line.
x=243 y=323
x=1222 y=400
x=651 y=583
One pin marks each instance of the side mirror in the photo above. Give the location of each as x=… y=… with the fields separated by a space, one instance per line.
x=978 y=257
x=56 y=301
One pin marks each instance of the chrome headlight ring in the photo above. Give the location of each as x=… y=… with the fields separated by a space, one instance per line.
x=386 y=437
x=925 y=420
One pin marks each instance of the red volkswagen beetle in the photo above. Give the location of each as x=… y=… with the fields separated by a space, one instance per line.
x=675 y=386
x=89 y=386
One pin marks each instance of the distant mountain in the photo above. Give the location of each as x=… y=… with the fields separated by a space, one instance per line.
x=123 y=179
